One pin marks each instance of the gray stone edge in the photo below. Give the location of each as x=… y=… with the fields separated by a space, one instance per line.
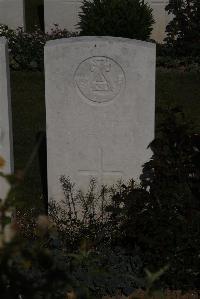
x=90 y=39
x=3 y=41
x=4 y=45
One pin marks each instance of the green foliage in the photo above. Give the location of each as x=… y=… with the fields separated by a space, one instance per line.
x=162 y=217
x=104 y=270
x=122 y=18
x=166 y=58
x=26 y=49
x=82 y=222
x=181 y=46
x=101 y=239
x=152 y=278
x=29 y=269
x=82 y=215
x=182 y=64
x=183 y=31
x=41 y=266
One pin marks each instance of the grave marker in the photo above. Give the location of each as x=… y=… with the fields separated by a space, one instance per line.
x=12 y=13
x=161 y=18
x=101 y=174
x=6 y=146
x=100 y=102
x=61 y=12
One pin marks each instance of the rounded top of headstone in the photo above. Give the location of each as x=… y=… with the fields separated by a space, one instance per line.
x=100 y=39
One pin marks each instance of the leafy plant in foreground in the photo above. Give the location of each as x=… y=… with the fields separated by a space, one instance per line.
x=41 y=267
x=162 y=217
x=82 y=222
x=30 y=268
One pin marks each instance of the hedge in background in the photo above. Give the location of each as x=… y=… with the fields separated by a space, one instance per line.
x=183 y=31
x=27 y=48
x=122 y=18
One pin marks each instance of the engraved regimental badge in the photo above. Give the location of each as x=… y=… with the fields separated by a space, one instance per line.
x=99 y=79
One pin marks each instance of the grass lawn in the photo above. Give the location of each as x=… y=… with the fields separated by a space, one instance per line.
x=182 y=89
x=27 y=89
x=28 y=105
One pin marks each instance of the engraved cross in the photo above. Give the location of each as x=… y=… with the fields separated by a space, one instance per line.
x=100 y=173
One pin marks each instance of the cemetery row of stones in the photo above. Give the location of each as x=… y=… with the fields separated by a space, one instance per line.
x=105 y=103
x=179 y=50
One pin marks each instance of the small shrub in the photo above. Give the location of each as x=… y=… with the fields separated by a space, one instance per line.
x=27 y=49
x=83 y=216
x=104 y=271
x=162 y=216
x=122 y=18
x=83 y=223
x=41 y=267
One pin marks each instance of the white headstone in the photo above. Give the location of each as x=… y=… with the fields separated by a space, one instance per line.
x=161 y=18
x=100 y=102
x=12 y=13
x=61 y=12
x=6 y=146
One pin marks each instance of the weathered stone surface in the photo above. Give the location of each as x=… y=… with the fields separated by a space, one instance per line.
x=12 y=13
x=65 y=14
x=100 y=101
x=6 y=148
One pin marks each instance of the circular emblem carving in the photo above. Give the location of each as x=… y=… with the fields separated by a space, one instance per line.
x=99 y=79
